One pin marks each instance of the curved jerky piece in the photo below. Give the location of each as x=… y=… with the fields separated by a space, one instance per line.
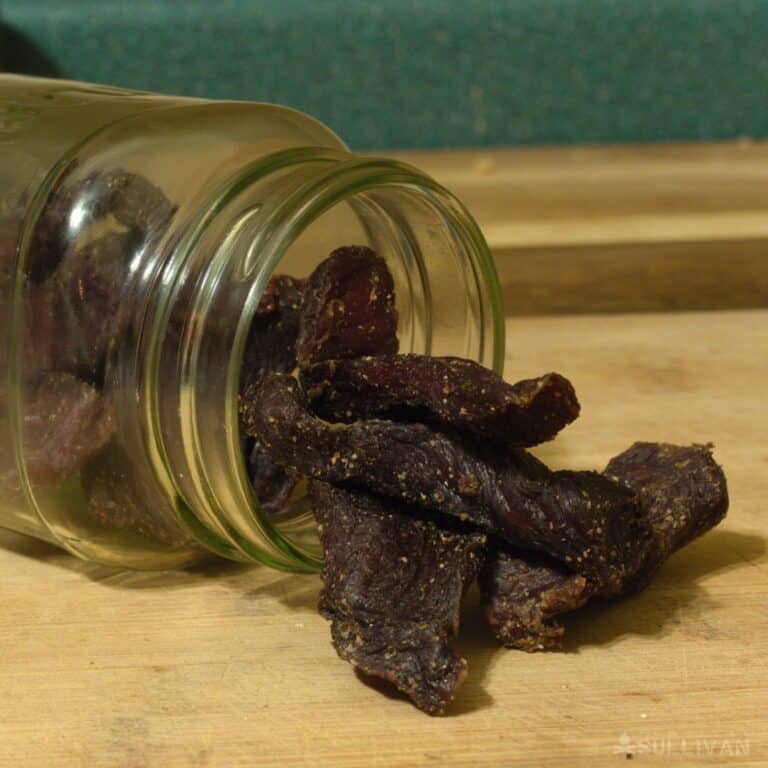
x=393 y=583
x=119 y=499
x=582 y=518
x=522 y=595
x=448 y=390
x=348 y=308
x=683 y=494
x=65 y=422
x=272 y=484
x=72 y=317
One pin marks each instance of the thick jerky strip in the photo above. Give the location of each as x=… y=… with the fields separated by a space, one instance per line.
x=392 y=588
x=458 y=393
x=522 y=595
x=582 y=518
x=64 y=423
x=683 y=494
x=348 y=308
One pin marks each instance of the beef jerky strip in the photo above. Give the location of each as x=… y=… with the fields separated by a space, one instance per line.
x=64 y=423
x=270 y=347
x=581 y=518
x=458 y=393
x=682 y=495
x=392 y=586
x=348 y=308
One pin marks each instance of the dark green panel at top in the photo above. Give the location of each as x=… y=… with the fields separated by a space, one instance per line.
x=427 y=73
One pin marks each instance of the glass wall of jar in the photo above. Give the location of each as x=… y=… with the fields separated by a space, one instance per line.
x=137 y=236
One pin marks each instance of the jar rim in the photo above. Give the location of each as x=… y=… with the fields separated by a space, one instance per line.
x=323 y=179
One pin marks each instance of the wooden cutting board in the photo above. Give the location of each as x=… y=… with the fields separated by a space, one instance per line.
x=231 y=666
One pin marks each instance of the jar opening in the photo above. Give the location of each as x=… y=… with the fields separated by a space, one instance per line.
x=283 y=216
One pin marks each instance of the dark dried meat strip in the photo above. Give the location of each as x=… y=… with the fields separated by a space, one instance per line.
x=348 y=308
x=682 y=494
x=64 y=423
x=448 y=390
x=582 y=518
x=682 y=491
x=392 y=588
x=524 y=593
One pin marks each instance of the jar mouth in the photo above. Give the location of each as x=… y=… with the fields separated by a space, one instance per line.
x=264 y=222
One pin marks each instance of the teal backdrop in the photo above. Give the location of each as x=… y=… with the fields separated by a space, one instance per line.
x=425 y=73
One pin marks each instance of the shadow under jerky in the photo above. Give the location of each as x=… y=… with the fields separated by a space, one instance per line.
x=458 y=393
x=392 y=587
x=682 y=493
x=584 y=519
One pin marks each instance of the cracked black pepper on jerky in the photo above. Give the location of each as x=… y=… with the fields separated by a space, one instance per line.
x=682 y=494
x=446 y=390
x=584 y=519
x=392 y=587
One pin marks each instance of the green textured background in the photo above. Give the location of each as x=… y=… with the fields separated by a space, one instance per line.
x=406 y=73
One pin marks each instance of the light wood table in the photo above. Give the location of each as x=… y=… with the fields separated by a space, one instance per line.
x=604 y=229
x=232 y=666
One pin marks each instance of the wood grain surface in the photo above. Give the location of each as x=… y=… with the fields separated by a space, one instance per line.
x=231 y=666
x=601 y=229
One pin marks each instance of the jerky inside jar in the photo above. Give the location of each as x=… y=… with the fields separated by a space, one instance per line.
x=158 y=259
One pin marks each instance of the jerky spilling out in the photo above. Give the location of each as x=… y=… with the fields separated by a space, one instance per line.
x=64 y=423
x=682 y=494
x=348 y=308
x=451 y=391
x=392 y=587
x=584 y=519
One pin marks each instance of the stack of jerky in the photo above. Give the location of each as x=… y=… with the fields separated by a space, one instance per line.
x=421 y=484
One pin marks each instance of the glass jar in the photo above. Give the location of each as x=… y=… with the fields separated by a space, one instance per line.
x=137 y=235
